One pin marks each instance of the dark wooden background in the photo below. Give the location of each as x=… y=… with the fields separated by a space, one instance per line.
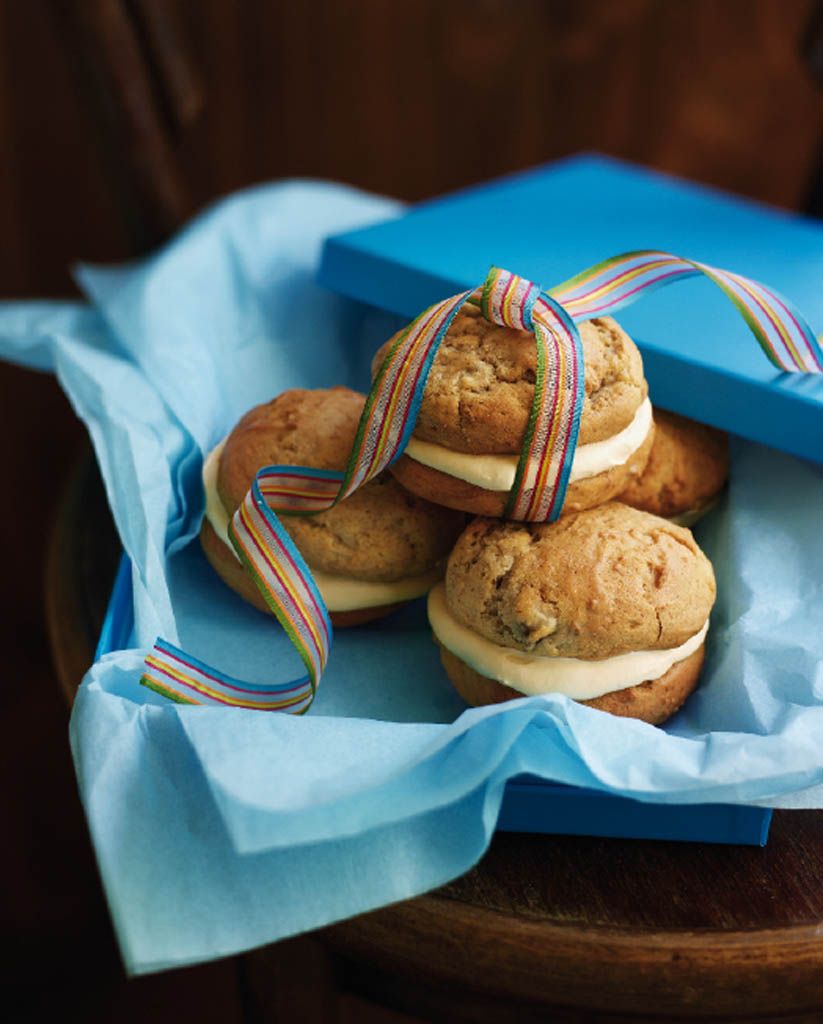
x=406 y=97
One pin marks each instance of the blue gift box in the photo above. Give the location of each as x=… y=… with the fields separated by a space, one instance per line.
x=550 y=223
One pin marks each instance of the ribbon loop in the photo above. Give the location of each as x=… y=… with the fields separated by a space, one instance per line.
x=508 y=299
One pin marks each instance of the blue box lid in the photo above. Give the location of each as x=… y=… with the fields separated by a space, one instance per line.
x=552 y=222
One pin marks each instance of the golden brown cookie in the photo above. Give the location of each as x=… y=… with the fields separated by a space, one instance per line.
x=613 y=588
x=478 y=398
x=687 y=468
x=380 y=535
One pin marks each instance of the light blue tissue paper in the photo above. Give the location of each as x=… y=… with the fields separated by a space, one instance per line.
x=177 y=888
x=229 y=309
x=219 y=830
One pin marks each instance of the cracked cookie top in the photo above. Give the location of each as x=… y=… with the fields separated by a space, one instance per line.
x=379 y=533
x=593 y=585
x=480 y=389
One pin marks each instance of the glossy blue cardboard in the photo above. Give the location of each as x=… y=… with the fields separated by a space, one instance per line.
x=552 y=222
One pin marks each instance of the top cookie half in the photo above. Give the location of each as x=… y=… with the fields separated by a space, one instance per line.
x=481 y=385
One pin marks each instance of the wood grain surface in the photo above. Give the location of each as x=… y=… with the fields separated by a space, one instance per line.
x=405 y=97
x=618 y=925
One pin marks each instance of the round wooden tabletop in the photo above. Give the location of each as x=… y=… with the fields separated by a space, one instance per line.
x=556 y=928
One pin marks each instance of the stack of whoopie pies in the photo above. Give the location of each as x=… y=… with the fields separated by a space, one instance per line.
x=609 y=604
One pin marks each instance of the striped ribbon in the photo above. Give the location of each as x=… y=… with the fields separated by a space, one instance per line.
x=781 y=331
x=388 y=421
x=550 y=439
x=289 y=590
x=183 y=679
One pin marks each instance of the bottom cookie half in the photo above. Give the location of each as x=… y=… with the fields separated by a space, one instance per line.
x=235 y=576
x=653 y=701
x=443 y=489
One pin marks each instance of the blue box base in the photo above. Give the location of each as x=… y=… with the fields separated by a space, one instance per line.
x=532 y=805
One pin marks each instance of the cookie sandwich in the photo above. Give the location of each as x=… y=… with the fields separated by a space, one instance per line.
x=371 y=553
x=475 y=409
x=609 y=606
x=687 y=468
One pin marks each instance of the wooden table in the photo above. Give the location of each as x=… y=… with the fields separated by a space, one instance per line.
x=545 y=928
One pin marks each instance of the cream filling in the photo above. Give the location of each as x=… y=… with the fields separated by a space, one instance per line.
x=497 y=472
x=341 y=593
x=533 y=674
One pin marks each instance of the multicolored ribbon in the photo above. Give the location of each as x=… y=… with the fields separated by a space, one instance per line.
x=783 y=334
x=185 y=680
x=388 y=421
x=289 y=590
x=550 y=439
